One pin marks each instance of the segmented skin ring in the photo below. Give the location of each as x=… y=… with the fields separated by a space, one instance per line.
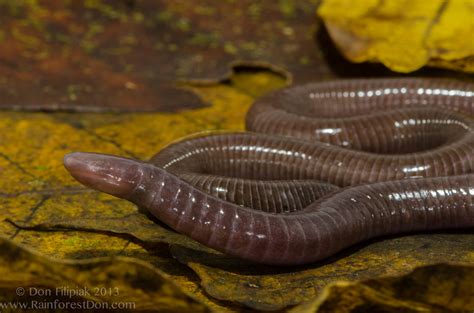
x=322 y=167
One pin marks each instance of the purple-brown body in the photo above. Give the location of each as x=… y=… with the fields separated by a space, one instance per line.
x=401 y=149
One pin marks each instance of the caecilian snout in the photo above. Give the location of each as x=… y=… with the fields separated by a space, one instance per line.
x=110 y=174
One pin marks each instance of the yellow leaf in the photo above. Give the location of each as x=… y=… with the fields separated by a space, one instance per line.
x=435 y=288
x=113 y=282
x=403 y=35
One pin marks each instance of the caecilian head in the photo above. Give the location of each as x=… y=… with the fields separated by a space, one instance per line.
x=110 y=174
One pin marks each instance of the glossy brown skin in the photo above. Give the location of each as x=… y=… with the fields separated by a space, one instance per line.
x=376 y=115
x=405 y=168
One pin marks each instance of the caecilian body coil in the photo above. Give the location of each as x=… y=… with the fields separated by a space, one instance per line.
x=323 y=166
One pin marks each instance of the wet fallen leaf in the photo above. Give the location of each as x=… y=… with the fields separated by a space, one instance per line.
x=88 y=56
x=136 y=225
x=435 y=288
x=403 y=35
x=99 y=55
x=270 y=288
x=114 y=282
